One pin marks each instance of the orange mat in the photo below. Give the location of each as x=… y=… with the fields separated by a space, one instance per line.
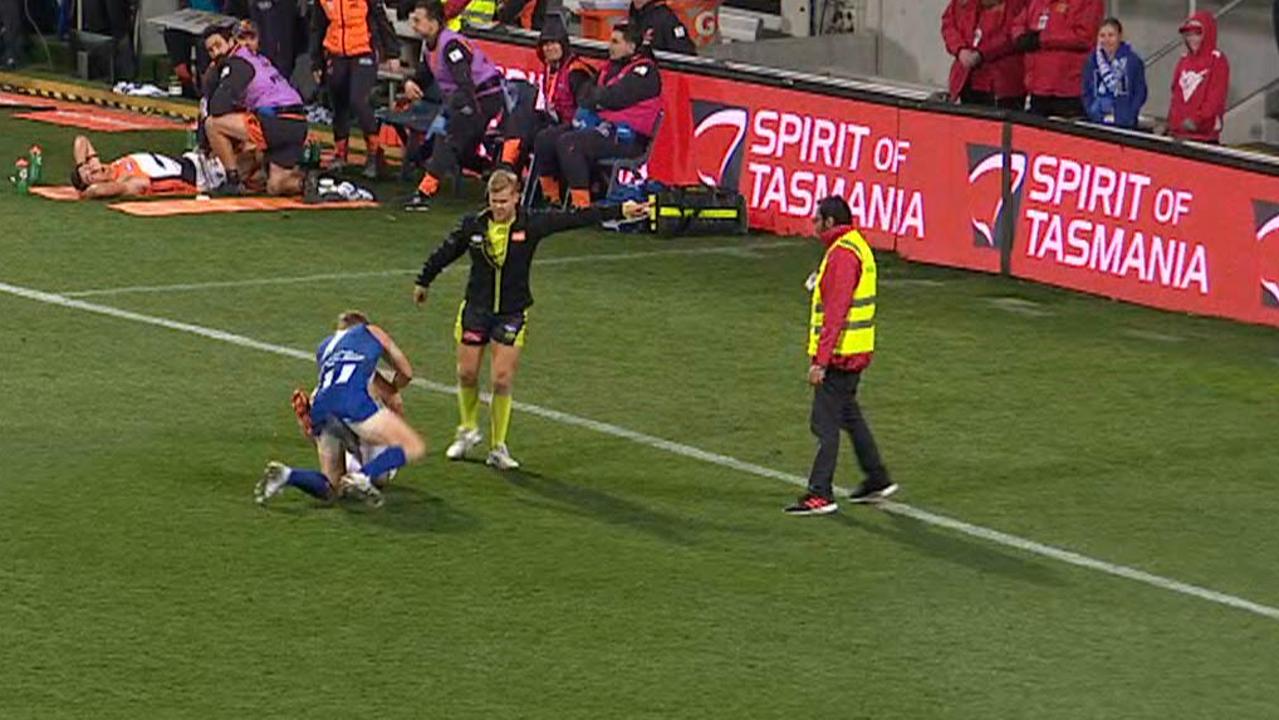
x=26 y=102
x=66 y=192
x=99 y=119
x=165 y=208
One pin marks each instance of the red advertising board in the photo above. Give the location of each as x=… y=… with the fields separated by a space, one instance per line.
x=1154 y=229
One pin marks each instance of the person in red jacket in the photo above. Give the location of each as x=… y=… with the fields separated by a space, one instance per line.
x=1199 y=83
x=841 y=343
x=1057 y=36
x=987 y=69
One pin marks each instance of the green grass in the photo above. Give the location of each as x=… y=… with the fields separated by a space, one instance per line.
x=610 y=579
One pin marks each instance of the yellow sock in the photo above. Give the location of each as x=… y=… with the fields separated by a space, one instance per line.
x=468 y=405
x=500 y=416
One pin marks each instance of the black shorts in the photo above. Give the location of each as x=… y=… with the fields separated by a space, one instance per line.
x=480 y=326
x=284 y=137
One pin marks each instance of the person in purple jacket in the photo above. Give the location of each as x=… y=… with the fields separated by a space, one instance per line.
x=251 y=103
x=1114 y=79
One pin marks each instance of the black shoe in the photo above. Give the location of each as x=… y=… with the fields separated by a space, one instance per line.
x=228 y=189
x=811 y=504
x=418 y=203
x=869 y=492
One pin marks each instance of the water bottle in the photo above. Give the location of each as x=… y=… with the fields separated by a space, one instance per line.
x=35 y=165
x=193 y=137
x=22 y=176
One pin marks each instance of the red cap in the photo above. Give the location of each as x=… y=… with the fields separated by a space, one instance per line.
x=1192 y=26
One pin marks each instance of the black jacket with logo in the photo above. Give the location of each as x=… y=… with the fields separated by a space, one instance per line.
x=662 y=28
x=505 y=289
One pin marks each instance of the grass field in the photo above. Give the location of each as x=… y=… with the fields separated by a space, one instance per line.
x=611 y=578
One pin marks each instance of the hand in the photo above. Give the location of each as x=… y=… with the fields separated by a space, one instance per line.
x=632 y=210
x=412 y=90
x=969 y=58
x=392 y=65
x=395 y=403
x=1189 y=125
x=816 y=375
x=419 y=295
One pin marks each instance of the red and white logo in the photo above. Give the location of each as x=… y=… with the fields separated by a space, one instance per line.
x=986 y=166
x=1267 y=216
x=719 y=140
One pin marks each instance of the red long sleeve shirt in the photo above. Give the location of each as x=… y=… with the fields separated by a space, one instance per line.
x=839 y=282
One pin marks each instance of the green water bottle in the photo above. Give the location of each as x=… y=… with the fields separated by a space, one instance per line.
x=311 y=154
x=35 y=165
x=193 y=137
x=22 y=176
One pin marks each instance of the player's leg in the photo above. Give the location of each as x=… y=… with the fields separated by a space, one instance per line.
x=401 y=443
x=321 y=484
x=285 y=140
x=363 y=78
x=339 y=86
x=224 y=133
x=508 y=338
x=546 y=163
x=471 y=333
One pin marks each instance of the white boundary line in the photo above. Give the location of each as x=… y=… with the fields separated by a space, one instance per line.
x=688 y=451
x=730 y=250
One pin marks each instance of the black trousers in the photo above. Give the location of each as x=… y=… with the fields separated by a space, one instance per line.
x=11 y=18
x=350 y=81
x=114 y=18
x=968 y=96
x=465 y=132
x=1049 y=105
x=179 y=46
x=277 y=22
x=578 y=151
x=835 y=408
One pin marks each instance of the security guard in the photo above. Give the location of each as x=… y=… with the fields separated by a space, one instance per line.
x=841 y=341
x=501 y=241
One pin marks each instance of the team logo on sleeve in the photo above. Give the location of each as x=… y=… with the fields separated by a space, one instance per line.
x=1267 y=217
x=719 y=142
x=986 y=192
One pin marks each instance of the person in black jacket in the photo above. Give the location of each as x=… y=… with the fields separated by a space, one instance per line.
x=527 y=14
x=660 y=27
x=501 y=241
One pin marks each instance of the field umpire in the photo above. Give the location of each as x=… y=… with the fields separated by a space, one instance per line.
x=841 y=341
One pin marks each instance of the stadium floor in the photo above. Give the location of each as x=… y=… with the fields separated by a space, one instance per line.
x=613 y=576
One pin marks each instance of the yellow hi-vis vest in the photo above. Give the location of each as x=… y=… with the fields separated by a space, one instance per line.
x=478 y=12
x=858 y=335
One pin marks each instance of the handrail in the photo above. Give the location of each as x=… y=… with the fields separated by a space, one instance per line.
x=1272 y=85
x=1164 y=51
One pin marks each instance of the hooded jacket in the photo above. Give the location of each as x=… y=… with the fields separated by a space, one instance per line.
x=569 y=79
x=1064 y=32
x=1199 y=85
x=969 y=25
x=1114 y=88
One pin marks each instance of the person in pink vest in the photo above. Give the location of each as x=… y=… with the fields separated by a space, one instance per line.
x=250 y=103
x=616 y=118
x=1200 y=83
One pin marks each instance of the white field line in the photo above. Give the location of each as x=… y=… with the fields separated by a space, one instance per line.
x=745 y=250
x=688 y=451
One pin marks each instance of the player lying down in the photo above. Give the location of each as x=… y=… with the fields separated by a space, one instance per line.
x=142 y=173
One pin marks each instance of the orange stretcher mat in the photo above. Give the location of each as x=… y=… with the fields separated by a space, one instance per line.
x=66 y=192
x=99 y=119
x=165 y=208
x=26 y=102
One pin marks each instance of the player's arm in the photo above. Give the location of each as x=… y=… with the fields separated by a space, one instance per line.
x=453 y=247
x=83 y=150
x=130 y=187
x=542 y=223
x=395 y=356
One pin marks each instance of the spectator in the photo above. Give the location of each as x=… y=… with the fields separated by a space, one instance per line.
x=1200 y=83
x=660 y=27
x=277 y=22
x=1114 y=79
x=1057 y=36
x=528 y=14
x=347 y=39
x=471 y=12
x=11 y=39
x=987 y=70
x=617 y=118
